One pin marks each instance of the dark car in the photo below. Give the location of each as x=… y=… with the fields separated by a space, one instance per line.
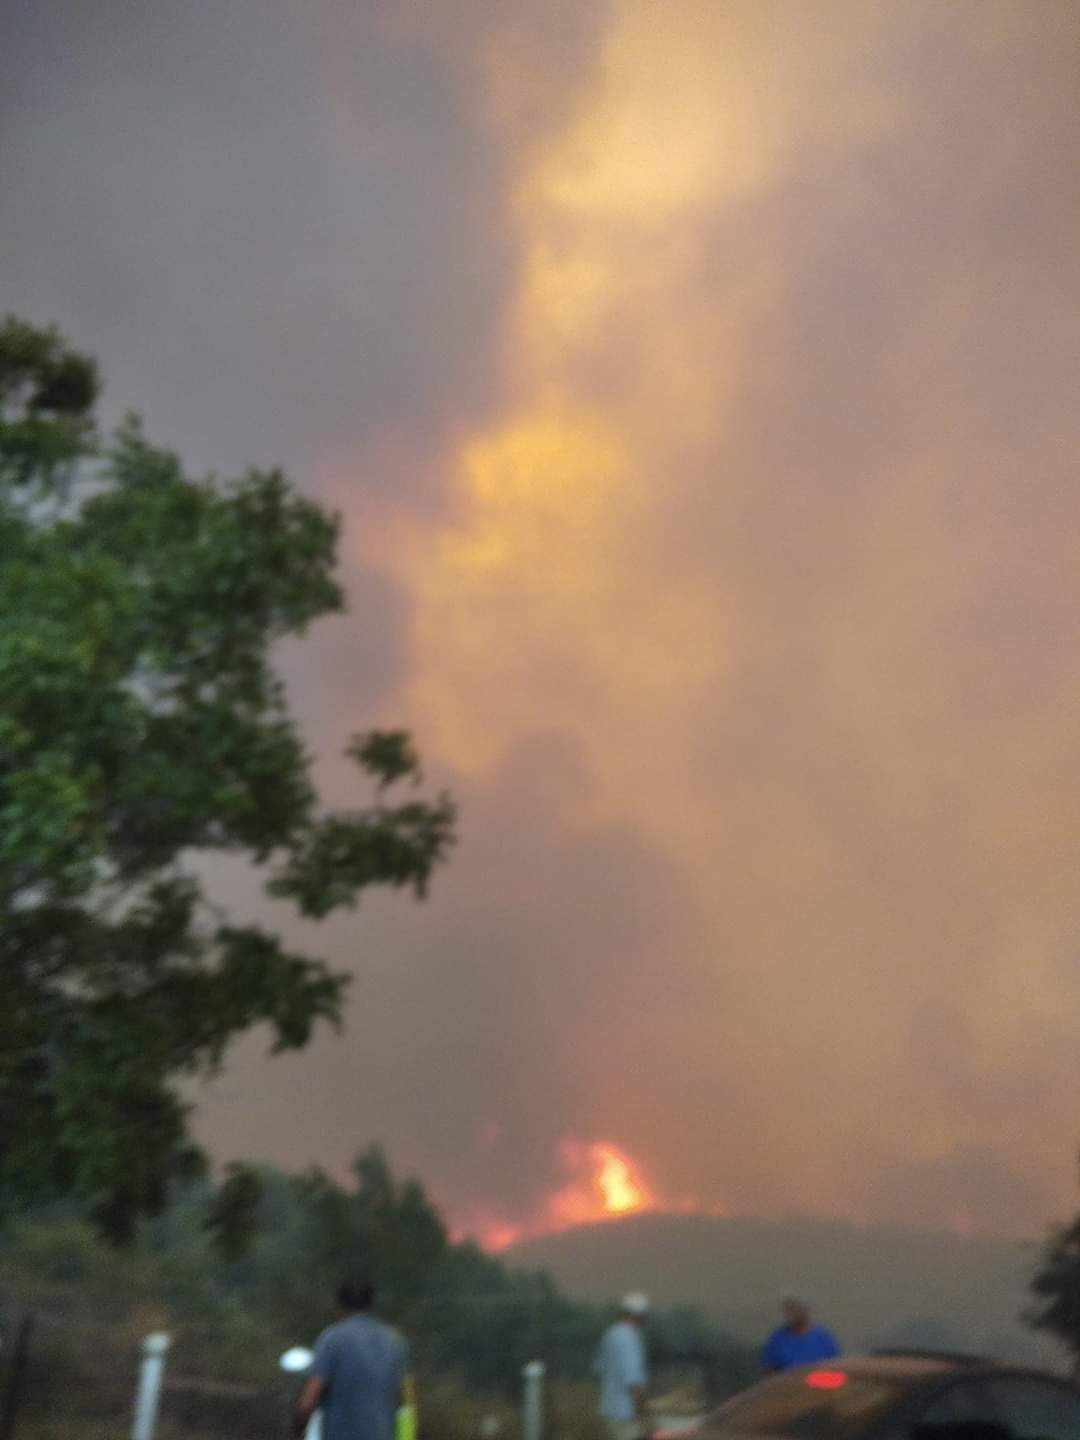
x=900 y=1396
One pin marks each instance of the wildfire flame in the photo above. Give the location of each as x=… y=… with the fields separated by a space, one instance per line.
x=615 y=1180
x=604 y=1184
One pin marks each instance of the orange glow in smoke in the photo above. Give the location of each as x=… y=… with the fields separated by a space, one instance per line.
x=499 y=1236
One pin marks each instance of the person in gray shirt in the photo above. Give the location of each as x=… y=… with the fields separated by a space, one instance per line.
x=620 y=1363
x=357 y=1377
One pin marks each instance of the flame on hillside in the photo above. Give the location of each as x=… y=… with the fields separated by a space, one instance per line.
x=603 y=1183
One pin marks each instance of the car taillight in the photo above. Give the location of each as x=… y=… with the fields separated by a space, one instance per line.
x=826 y=1379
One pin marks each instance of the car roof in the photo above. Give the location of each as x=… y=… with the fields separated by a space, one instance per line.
x=913 y=1352
x=900 y=1363
x=911 y=1370
x=925 y=1366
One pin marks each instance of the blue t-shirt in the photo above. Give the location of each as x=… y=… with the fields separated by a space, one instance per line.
x=362 y=1364
x=789 y=1347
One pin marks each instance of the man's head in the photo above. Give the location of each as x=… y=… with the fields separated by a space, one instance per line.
x=355 y=1294
x=796 y=1313
x=635 y=1307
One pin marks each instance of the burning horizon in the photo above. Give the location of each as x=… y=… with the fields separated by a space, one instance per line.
x=601 y=1183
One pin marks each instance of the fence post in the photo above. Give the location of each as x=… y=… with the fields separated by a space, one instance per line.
x=150 y=1372
x=533 y=1410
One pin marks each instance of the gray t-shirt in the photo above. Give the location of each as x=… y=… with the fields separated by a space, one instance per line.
x=362 y=1364
x=620 y=1363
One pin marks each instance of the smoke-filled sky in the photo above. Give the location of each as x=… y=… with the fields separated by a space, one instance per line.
x=698 y=381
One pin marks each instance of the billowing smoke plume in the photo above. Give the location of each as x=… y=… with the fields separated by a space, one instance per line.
x=698 y=383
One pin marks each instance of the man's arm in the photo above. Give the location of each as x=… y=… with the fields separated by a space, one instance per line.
x=638 y=1377
x=310 y=1398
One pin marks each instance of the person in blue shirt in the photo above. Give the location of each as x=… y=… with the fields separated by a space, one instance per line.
x=357 y=1376
x=797 y=1341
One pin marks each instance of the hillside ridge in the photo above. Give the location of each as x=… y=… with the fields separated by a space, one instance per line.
x=875 y=1284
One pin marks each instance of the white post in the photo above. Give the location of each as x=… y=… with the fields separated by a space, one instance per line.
x=534 y=1400
x=150 y=1373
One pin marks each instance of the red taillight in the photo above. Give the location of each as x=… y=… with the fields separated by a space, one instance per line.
x=826 y=1379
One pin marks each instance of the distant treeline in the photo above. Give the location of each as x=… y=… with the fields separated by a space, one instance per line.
x=242 y=1267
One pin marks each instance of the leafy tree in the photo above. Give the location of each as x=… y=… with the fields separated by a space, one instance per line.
x=233 y=1218
x=142 y=724
x=384 y=1227
x=1057 y=1286
x=464 y=1312
x=401 y=1236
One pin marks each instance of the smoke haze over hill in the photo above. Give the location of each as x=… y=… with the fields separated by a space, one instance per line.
x=875 y=1285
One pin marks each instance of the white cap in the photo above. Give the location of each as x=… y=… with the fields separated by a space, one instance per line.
x=635 y=1303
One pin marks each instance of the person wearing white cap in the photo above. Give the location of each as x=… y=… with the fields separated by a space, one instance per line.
x=620 y=1363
